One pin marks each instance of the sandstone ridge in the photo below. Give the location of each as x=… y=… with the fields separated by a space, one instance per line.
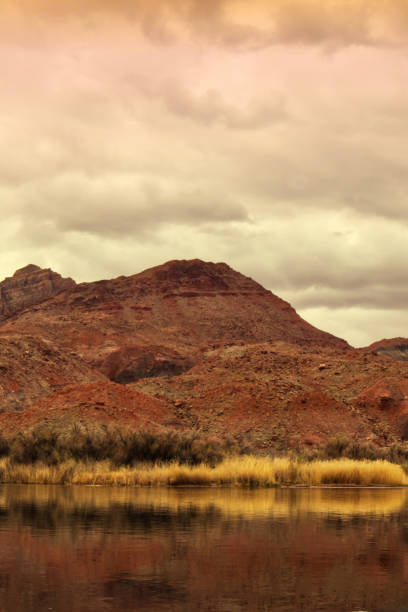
x=192 y=345
x=29 y=286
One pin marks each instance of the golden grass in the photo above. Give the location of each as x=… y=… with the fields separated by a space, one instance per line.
x=246 y=471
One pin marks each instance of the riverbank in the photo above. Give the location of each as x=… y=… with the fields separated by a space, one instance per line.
x=242 y=471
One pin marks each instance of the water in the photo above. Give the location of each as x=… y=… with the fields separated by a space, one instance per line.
x=101 y=549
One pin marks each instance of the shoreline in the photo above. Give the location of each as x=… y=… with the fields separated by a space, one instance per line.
x=207 y=487
x=247 y=472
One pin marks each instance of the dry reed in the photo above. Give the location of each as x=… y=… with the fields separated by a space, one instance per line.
x=243 y=471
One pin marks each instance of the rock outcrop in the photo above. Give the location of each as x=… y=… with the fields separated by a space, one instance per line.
x=131 y=363
x=29 y=286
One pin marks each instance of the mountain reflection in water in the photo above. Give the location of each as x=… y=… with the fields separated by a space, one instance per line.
x=218 y=550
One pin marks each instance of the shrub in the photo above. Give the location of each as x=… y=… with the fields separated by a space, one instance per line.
x=404 y=428
x=357 y=450
x=4 y=446
x=52 y=444
x=336 y=447
x=397 y=453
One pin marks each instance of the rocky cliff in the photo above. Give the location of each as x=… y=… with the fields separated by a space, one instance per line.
x=30 y=286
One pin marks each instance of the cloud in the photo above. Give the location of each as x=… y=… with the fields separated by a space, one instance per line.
x=120 y=205
x=359 y=326
x=132 y=133
x=390 y=296
x=234 y=24
x=326 y=259
x=210 y=108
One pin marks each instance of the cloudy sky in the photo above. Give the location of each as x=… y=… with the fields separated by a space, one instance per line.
x=274 y=138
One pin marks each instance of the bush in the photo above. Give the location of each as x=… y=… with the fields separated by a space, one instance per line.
x=52 y=444
x=336 y=447
x=397 y=453
x=356 y=450
x=404 y=428
x=4 y=446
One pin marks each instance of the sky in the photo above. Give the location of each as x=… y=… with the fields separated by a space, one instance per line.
x=270 y=135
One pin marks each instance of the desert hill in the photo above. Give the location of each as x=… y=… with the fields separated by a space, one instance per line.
x=157 y=321
x=282 y=395
x=190 y=345
x=396 y=348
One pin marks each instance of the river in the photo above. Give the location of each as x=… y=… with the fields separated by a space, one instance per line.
x=88 y=549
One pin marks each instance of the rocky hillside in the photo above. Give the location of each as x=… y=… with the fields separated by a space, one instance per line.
x=284 y=396
x=159 y=321
x=396 y=348
x=190 y=345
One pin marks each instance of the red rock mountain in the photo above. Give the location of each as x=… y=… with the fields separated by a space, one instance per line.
x=194 y=345
x=158 y=320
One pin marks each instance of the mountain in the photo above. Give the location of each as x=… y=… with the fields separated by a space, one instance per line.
x=190 y=345
x=159 y=321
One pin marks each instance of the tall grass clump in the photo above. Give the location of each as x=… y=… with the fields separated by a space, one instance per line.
x=352 y=472
x=243 y=472
x=264 y=472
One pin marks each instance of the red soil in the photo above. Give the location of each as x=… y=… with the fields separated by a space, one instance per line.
x=103 y=402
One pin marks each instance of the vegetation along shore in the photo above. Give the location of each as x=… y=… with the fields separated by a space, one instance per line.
x=107 y=455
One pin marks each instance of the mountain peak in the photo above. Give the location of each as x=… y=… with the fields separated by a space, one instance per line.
x=190 y=267
x=29 y=269
x=184 y=305
x=198 y=275
x=29 y=286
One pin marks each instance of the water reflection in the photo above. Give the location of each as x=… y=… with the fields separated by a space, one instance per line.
x=95 y=548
